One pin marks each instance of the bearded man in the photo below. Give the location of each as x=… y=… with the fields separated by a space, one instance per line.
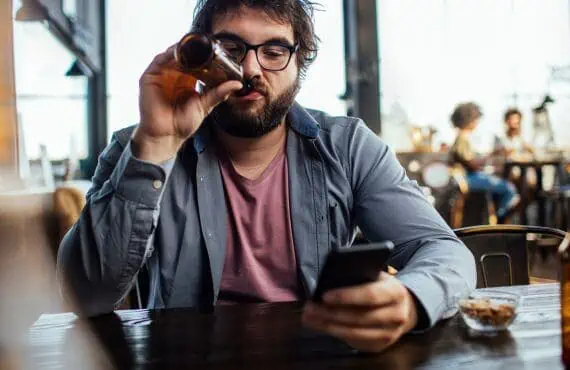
x=228 y=199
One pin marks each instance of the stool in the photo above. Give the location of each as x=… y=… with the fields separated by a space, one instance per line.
x=560 y=198
x=471 y=207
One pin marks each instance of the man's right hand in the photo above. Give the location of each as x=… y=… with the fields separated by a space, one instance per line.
x=167 y=119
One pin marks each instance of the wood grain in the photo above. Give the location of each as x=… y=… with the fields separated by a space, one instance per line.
x=270 y=336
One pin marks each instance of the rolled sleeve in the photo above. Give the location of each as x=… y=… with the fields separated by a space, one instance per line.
x=100 y=256
x=433 y=263
x=435 y=278
x=144 y=182
x=140 y=181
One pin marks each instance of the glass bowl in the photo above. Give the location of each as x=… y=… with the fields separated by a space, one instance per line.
x=488 y=310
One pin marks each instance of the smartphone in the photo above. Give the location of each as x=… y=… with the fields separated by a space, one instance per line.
x=359 y=264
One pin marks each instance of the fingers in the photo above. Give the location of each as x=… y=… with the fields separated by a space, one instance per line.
x=362 y=327
x=368 y=317
x=383 y=292
x=165 y=57
x=161 y=61
x=371 y=339
x=391 y=316
x=219 y=94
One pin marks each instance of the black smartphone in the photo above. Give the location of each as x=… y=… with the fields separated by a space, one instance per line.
x=356 y=265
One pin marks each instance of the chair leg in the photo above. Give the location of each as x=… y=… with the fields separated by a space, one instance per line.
x=139 y=300
x=457 y=212
x=491 y=211
x=565 y=225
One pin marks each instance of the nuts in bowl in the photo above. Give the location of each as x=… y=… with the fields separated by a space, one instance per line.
x=488 y=310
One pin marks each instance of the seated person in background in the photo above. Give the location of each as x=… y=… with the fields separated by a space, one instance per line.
x=465 y=118
x=239 y=199
x=512 y=145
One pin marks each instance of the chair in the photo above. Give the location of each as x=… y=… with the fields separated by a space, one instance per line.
x=470 y=208
x=559 y=196
x=501 y=251
x=449 y=191
x=69 y=200
x=560 y=199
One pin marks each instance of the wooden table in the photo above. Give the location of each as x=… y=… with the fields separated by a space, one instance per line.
x=269 y=336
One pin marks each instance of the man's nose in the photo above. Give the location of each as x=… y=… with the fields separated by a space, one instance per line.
x=251 y=67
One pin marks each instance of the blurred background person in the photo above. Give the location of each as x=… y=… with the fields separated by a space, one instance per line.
x=465 y=119
x=512 y=144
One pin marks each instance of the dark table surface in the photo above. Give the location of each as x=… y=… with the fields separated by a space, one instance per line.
x=269 y=336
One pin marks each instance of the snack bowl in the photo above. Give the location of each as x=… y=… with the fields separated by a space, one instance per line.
x=488 y=310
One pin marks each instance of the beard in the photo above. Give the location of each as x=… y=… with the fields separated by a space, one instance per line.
x=238 y=122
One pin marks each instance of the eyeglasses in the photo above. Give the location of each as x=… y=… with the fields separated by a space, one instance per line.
x=271 y=56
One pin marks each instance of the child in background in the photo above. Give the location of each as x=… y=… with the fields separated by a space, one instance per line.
x=465 y=118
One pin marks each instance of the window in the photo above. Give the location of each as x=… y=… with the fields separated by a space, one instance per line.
x=137 y=30
x=326 y=79
x=51 y=107
x=436 y=53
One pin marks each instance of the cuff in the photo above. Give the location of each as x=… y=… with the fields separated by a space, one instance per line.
x=431 y=302
x=140 y=181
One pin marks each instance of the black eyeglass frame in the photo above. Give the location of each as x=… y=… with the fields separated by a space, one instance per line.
x=292 y=50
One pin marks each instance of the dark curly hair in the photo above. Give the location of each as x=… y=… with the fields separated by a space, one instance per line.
x=511 y=112
x=465 y=113
x=297 y=13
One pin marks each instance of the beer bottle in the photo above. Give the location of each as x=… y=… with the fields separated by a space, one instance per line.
x=564 y=254
x=204 y=58
x=198 y=57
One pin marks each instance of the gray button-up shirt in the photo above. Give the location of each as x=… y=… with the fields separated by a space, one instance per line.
x=341 y=175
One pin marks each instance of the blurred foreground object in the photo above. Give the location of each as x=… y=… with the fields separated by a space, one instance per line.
x=8 y=127
x=564 y=255
x=28 y=287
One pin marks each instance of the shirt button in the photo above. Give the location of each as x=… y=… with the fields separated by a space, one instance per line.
x=157 y=184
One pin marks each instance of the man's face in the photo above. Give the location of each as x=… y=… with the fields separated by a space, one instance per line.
x=274 y=91
x=513 y=122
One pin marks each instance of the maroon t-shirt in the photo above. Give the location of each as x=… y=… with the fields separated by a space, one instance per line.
x=260 y=263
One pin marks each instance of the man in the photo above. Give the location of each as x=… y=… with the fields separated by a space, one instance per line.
x=512 y=143
x=239 y=199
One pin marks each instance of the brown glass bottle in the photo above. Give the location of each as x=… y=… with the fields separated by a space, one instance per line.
x=564 y=254
x=204 y=58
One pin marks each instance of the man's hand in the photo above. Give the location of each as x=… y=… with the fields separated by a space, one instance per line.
x=171 y=110
x=367 y=317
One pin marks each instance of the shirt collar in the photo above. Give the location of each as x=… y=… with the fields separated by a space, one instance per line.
x=299 y=119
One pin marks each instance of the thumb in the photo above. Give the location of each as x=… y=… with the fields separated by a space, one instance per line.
x=219 y=94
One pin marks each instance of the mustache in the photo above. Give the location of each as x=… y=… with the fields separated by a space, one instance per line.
x=256 y=84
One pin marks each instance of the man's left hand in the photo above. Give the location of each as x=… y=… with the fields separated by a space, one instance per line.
x=367 y=317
